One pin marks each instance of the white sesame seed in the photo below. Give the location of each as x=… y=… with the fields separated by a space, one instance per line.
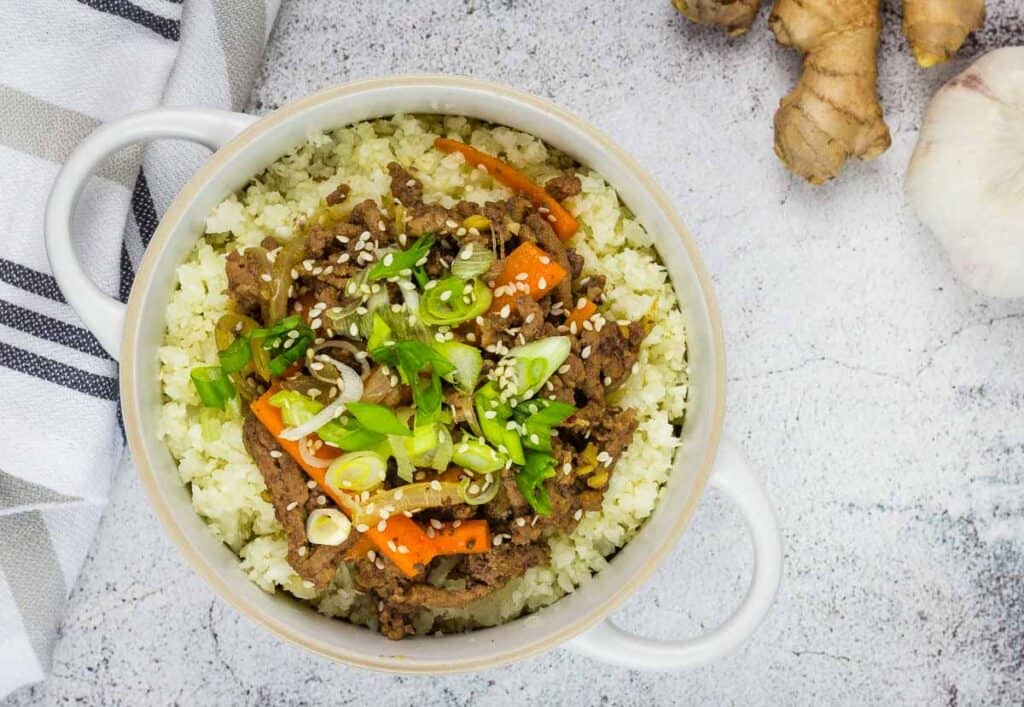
x=275 y=454
x=292 y=506
x=585 y=353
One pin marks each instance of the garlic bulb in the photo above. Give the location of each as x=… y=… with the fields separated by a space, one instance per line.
x=966 y=176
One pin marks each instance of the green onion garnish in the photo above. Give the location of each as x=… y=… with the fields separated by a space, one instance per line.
x=454 y=300
x=213 y=386
x=393 y=264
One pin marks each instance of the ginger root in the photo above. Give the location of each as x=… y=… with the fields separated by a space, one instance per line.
x=734 y=16
x=834 y=112
x=937 y=28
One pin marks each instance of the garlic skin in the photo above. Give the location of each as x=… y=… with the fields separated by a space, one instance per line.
x=966 y=176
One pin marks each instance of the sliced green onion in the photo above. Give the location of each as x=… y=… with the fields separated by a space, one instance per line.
x=349 y=439
x=213 y=386
x=530 y=481
x=327 y=526
x=472 y=261
x=468 y=362
x=282 y=327
x=291 y=352
x=394 y=263
x=545 y=412
x=236 y=356
x=538 y=417
x=380 y=333
x=529 y=367
x=454 y=300
x=476 y=455
x=494 y=415
x=477 y=492
x=357 y=471
x=410 y=358
x=296 y=408
x=378 y=418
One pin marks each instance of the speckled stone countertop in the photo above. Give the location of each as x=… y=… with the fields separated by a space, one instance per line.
x=882 y=402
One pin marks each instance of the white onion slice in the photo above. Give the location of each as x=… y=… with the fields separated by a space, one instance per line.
x=309 y=458
x=327 y=526
x=351 y=390
x=411 y=295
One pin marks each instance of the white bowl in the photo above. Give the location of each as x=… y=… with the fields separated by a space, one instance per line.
x=132 y=333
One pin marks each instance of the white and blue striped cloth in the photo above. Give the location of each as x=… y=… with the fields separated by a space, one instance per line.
x=66 y=66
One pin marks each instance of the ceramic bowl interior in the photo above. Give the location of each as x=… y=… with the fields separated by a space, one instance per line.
x=249 y=154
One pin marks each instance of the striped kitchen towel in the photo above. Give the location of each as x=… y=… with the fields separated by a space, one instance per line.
x=66 y=66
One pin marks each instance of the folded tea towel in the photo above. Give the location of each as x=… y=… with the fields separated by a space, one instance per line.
x=66 y=66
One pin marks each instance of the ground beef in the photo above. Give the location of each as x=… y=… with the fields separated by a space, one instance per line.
x=431 y=597
x=292 y=501
x=568 y=378
x=427 y=218
x=505 y=562
x=338 y=195
x=245 y=270
x=395 y=623
x=524 y=323
x=368 y=215
x=593 y=288
x=612 y=351
x=575 y=263
x=404 y=187
x=614 y=432
x=563 y=187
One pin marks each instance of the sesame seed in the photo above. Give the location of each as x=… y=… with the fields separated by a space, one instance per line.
x=578 y=514
x=585 y=353
x=542 y=284
x=302 y=551
x=505 y=311
x=275 y=454
x=311 y=484
x=435 y=485
x=292 y=506
x=382 y=526
x=392 y=546
x=435 y=523
x=362 y=528
x=410 y=183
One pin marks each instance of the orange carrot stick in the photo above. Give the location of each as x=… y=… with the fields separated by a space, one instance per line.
x=401 y=540
x=528 y=270
x=459 y=537
x=562 y=221
x=580 y=314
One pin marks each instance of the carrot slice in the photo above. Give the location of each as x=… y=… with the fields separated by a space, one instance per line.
x=580 y=313
x=528 y=270
x=460 y=537
x=401 y=540
x=562 y=221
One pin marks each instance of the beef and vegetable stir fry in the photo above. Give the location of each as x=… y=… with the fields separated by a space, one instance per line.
x=426 y=385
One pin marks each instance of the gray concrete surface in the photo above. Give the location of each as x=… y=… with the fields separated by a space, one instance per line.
x=881 y=401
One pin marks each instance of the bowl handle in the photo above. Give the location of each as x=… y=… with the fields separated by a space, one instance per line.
x=609 y=643
x=104 y=315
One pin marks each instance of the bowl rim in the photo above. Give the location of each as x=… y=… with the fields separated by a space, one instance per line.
x=132 y=416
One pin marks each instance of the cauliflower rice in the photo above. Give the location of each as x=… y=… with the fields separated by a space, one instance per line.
x=227 y=488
